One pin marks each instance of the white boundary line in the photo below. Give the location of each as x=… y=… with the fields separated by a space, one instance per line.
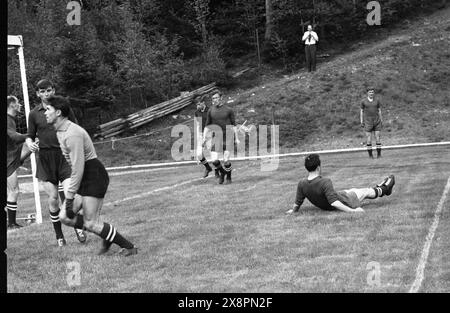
x=429 y=239
x=142 y=195
x=268 y=156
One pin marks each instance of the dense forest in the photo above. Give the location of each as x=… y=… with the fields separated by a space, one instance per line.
x=127 y=55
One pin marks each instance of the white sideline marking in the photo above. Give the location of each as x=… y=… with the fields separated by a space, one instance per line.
x=426 y=249
x=267 y=156
x=141 y=195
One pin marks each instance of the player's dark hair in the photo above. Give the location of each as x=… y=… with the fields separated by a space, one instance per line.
x=44 y=84
x=370 y=88
x=60 y=103
x=11 y=99
x=312 y=161
x=199 y=98
x=216 y=91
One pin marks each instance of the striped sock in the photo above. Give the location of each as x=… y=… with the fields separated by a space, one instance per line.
x=12 y=209
x=369 y=149
x=54 y=216
x=205 y=163
x=228 y=168
x=378 y=149
x=61 y=192
x=109 y=233
x=380 y=191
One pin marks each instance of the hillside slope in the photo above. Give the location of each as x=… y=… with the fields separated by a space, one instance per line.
x=410 y=69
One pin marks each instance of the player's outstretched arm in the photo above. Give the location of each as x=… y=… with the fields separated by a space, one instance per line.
x=342 y=207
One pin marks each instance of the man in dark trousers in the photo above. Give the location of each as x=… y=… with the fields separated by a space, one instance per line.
x=310 y=38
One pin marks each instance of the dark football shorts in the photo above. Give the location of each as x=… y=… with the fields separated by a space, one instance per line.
x=95 y=180
x=13 y=165
x=215 y=146
x=52 y=166
x=349 y=198
x=371 y=125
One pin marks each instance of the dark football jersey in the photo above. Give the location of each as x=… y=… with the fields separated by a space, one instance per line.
x=318 y=191
x=370 y=108
x=221 y=116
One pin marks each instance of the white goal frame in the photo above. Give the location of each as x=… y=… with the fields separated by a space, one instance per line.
x=16 y=43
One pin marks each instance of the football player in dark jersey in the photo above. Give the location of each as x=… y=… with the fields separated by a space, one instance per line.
x=218 y=118
x=371 y=120
x=320 y=192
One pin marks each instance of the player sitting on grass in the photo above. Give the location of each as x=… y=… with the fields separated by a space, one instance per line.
x=320 y=192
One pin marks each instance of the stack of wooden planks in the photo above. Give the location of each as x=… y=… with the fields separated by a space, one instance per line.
x=145 y=116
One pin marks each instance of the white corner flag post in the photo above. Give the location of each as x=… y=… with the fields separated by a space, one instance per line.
x=16 y=41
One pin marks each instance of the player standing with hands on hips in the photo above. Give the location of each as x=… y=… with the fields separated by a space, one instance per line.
x=310 y=38
x=88 y=178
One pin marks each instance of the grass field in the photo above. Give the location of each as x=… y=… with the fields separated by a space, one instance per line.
x=198 y=236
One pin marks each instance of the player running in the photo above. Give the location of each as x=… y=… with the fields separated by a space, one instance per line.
x=371 y=120
x=52 y=168
x=320 y=192
x=218 y=117
x=16 y=153
x=200 y=117
x=88 y=178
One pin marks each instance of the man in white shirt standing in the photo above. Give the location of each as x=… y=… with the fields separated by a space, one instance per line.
x=310 y=38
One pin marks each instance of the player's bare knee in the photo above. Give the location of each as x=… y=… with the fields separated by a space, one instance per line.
x=63 y=218
x=53 y=202
x=13 y=192
x=89 y=224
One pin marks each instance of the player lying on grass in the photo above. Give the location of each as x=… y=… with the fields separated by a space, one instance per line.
x=320 y=192
x=88 y=178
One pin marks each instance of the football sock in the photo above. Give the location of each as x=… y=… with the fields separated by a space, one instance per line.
x=378 y=149
x=12 y=209
x=380 y=191
x=369 y=149
x=54 y=216
x=61 y=193
x=205 y=163
x=110 y=234
x=79 y=221
x=228 y=168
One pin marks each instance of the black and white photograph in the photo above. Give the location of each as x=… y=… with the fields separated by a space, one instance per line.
x=225 y=151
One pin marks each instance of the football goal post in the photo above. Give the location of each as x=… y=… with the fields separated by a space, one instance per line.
x=16 y=43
